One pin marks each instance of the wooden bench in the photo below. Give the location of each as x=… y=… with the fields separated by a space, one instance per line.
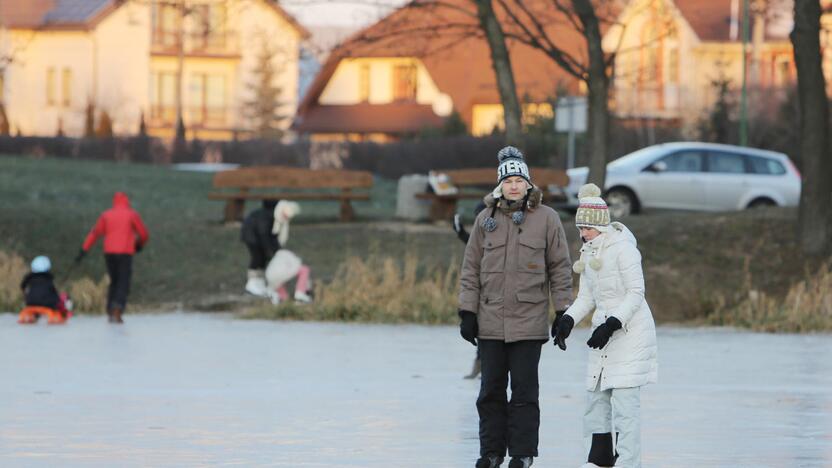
x=258 y=183
x=476 y=183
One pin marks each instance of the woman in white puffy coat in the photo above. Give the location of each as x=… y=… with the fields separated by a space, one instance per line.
x=622 y=357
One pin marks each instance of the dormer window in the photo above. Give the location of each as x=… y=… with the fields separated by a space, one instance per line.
x=404 y=82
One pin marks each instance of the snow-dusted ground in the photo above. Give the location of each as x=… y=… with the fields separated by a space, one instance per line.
x=196 y=390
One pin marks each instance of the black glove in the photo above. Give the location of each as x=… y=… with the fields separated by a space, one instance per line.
x=139 y=246
x=460 y=229
x=602 y=334
x=468 y=327
x=558 y=316
x=561 y=329
x=80 y=256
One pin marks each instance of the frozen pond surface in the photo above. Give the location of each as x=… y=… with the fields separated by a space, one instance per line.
x=196 y=390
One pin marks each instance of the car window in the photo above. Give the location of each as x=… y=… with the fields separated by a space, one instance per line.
x=728 y=163
x=684 y=161
x=767 y=166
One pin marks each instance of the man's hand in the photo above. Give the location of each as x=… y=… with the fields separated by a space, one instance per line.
x=561 y=329
x=468 y=327
x=601 y=336
x=81 y=254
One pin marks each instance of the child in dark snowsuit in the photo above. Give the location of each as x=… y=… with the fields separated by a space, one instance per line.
x=40 y=294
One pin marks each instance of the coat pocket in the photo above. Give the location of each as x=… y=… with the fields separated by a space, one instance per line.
x=531 y=257
x=493 y=256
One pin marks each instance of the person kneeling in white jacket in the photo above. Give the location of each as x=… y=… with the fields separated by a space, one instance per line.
x=622 y=357
x=285 y=265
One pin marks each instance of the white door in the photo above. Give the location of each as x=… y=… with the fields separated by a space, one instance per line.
x=674 y=181
x=727 y=180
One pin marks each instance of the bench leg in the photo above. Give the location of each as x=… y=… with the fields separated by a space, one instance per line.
x=442 y=209
x=347 y=213
x=234 y=210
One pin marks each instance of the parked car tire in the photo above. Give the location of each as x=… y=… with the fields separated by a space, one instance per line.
x=622 y=202
x=761 y=203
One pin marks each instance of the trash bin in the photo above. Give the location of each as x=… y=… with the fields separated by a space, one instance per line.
x=408 y=207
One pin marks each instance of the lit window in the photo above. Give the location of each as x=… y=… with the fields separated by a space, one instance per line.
x=66 y=87
x=404 y=82
x=364 y=82
x=50 y=86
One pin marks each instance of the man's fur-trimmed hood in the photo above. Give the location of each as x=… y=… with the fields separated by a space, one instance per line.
x=535 y=198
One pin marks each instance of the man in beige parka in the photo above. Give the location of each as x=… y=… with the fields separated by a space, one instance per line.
x=516 y=258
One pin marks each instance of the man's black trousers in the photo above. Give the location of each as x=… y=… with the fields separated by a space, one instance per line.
x=504 y=424
x=120 y=268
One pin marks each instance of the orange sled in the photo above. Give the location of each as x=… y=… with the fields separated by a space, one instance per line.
x=31 y=314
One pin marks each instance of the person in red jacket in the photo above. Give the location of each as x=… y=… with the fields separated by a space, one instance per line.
x=124 y=235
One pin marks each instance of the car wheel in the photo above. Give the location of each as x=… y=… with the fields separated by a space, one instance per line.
x=621 y=203
x=761 y=203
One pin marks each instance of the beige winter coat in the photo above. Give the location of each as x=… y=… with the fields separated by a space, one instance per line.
x=508 y=274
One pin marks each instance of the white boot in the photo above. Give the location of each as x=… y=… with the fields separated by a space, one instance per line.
x=256 y=284
x=273 y=296
x=302 y=297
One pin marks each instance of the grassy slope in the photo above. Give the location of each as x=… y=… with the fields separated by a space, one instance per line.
x=47 y=206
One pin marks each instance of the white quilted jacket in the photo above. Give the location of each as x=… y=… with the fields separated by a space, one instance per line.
x=612 y=284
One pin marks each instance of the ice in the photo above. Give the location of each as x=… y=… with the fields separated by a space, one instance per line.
x=190 y=389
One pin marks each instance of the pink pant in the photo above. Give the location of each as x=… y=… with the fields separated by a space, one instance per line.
x=301 y=286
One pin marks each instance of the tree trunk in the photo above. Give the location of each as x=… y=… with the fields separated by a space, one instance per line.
x=598 y=85
x=502 y=70
x=816 y=195
x=180 y=65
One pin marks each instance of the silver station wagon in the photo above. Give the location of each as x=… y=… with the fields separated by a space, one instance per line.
x=694 y=176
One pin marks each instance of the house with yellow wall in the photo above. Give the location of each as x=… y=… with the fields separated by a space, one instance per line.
x=123 y=56
x=669 y=53
x=389 y=80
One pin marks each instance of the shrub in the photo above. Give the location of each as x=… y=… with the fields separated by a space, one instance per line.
x=377 y=290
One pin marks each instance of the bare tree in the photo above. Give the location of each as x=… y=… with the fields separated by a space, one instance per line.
x=531 y=24
x=501 y=62
x=815 y=223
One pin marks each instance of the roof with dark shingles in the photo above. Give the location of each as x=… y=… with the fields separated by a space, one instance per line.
x=74 y=11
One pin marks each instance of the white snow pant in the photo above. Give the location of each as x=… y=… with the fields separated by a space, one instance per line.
x=616 y=410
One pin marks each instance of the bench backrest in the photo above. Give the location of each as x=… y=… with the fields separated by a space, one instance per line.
x=541 y=176
x=292 y=177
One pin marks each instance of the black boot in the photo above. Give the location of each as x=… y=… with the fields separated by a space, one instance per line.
x=601 y=452
x=520 y=462
x=489 y=461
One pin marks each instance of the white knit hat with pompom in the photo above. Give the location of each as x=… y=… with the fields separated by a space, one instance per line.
x=592 y=209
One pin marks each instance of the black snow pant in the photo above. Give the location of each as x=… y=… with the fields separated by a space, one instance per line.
x=120 y=268
x=259 y=257
x=509 y=424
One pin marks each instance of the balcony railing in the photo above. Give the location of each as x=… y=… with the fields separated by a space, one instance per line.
x=224 y=43
x=195 y=116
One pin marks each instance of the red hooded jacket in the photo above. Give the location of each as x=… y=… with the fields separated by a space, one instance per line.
x=119 y=225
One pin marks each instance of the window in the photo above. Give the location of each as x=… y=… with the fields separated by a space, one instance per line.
x=727 y=163
x=673 y=66
x=364 y=82
x=404 y=82
x=684 y=161
x=163 y=96
x=210 y=22
x=50 y=86
x=765 y=166
x=207 y=99
x=66 y=87
x=165 y=22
